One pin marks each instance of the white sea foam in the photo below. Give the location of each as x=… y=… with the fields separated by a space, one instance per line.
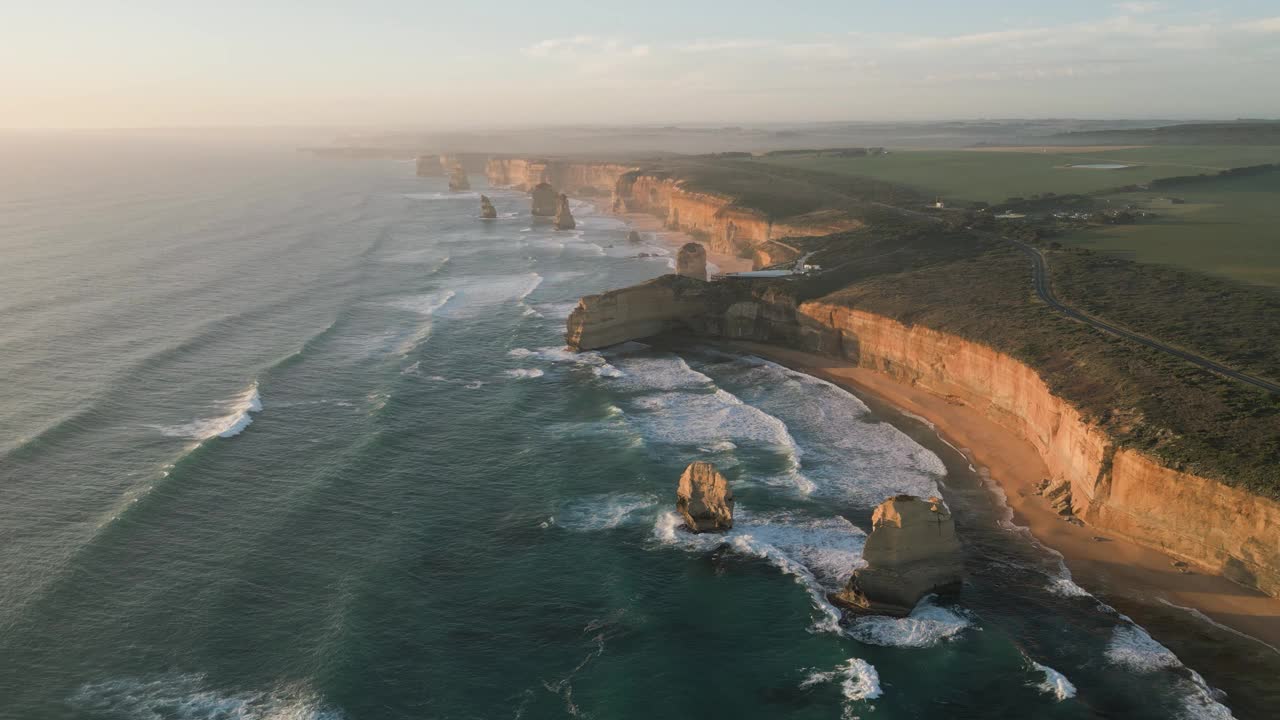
x=236 y=416
x=926 y=626
x=522 y=373
x=556 y=311
x=477 y=295
x=443 y=196
x=1063 y=585
x=858 y=679
x=606 y=512
x=847 y=453
x=426 y=304
x=1132 y=647
x=820 y=553
x=1054 y=683
x=189 y=697
x=1201 y=701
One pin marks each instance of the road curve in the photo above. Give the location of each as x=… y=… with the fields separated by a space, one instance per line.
x=1040 y=278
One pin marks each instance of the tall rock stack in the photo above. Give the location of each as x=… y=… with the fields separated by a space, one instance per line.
x=545 y=201
x=564 y=218
x=691 y=261
x=912 y=551
x=458 y=179
x=487 y=210
x=704 y=499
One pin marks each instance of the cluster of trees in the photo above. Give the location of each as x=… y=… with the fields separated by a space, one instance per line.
x=1182 y=180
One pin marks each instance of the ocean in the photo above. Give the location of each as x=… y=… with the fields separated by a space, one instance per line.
x=291 y=437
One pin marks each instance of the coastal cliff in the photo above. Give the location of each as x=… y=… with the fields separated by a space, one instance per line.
x=714 y=219
x=1221 y=529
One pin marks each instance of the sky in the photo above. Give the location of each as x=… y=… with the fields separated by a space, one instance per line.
x=486 y=63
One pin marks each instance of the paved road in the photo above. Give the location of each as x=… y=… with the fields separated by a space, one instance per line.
x=1040 y=277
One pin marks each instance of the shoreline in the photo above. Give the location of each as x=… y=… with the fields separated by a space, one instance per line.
x=1105 y=566
x=645 y=223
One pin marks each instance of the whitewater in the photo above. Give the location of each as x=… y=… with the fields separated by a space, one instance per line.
x=299 y=437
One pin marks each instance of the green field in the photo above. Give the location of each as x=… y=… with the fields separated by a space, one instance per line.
x=1230 y=227
x=971 y=175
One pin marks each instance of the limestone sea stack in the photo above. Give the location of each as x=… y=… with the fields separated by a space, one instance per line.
x=691 y=261
x=704 y=499
x=633 y=237
x=545 y=202
x=912 y=551
x=487 y=210
x=458 y=179
x=564 y=218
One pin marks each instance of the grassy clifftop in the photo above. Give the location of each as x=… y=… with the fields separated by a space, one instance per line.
x=1189 y=418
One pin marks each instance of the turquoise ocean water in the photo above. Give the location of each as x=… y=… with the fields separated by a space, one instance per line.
x=286 y=437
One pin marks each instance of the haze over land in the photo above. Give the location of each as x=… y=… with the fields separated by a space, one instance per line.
x=141 y=64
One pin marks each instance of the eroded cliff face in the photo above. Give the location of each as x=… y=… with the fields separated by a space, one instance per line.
x=1223 y=529
x=1125 y=492
x=713 y=219
x=651 y=308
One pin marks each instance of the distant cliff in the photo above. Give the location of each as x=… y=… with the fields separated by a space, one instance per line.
x=717 y=220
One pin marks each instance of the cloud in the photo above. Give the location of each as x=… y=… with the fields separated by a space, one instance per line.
x=1139 y=8
x=581 y=45
x=1262 y=25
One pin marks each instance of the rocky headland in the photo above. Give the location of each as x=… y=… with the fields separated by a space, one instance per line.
x=1215 y=527
x=717 y=220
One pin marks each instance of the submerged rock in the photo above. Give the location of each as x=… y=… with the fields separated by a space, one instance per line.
x=487 y=210
x=545 y=202
x=458 y=179
x=704 y=499
x=912 y=551
x=564 y=218
x=692 y=261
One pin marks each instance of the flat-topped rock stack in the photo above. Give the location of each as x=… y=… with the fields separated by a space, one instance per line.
x=691 y=261
x=458 y=179
x=545 y=200
x=912 y=551
x=704 y=499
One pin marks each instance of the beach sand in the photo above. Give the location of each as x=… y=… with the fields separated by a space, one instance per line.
x=1105 y=565
x=645 y=223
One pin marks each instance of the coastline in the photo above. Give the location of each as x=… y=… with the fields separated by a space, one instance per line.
x=645 y=223
x=1110 y=567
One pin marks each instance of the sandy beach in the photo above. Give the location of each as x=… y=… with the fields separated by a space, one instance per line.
x=645 y=223
x=1110 y=567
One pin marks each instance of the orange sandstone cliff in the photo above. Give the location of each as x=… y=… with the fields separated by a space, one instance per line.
x=1220 y=528
x=712 y=218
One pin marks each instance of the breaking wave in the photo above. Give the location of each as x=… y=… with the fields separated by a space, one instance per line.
x=523 y=373
x=926 y=626
x=190 y=697
x=606 y=512
x=820 y=553
x=238 y=415
x=1054 y=683
x=858 y=679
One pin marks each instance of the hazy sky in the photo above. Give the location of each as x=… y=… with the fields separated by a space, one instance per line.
x=112 y=63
